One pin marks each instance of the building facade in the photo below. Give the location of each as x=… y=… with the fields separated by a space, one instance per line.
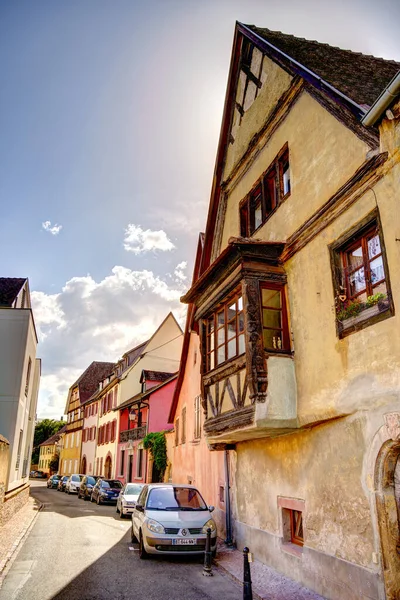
x=295 y=303
x=19 y=377
x=50 y=449
x=79 y=393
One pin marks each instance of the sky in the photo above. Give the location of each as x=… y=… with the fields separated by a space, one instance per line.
x=110 y=114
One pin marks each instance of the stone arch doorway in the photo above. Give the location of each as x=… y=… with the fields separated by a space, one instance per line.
x=107 y=467
x=387 y=493
x=83 y=466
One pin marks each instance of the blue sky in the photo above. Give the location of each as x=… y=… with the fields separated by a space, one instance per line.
x=109 y=120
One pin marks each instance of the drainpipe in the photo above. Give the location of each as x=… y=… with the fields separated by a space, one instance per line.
x=228 y=521
x=383 y=102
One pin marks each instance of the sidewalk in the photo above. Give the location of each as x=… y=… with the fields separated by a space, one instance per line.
x=267 y=584
x=14 y=531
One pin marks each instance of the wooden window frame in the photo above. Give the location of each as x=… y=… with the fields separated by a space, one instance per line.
x=286 y=348
x=213 y=327
x=270 y=197
x=296 y=523
x=197 y=418
x=339 y=251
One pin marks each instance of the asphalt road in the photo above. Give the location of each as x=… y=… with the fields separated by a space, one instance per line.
x=80 y=551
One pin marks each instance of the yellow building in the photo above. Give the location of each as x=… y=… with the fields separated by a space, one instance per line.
x=295 y=303
x=79 y=393
x=49 y=450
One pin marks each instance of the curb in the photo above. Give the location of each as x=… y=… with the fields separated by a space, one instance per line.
x=234 y=578
x=6 y=564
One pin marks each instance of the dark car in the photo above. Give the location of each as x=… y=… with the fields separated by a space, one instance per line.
x=87 y=485
x=106 y=490
x=52 y=481
x=38 y=474
x=62 y=483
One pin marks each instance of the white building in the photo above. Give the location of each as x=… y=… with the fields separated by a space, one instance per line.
x=19 y=377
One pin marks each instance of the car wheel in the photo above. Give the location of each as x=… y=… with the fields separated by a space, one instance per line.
x=86 y=497
x=142 y=552
x=133 y=536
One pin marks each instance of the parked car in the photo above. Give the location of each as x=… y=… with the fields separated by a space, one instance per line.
x=106 y=490
x=52 y=481
x=172 y=519
x=127 y=499
x=62 y=483
x=38 y=474
x=87 y=485
x=73 y=483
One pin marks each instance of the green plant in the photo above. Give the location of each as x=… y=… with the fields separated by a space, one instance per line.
x=156 y=443
x=54 y=463
x=372 y=300
x=351 y=309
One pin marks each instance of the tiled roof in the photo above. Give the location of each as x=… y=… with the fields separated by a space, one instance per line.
x=155 y=376
x=54 y=438
x=90 y=379
x=359 y=76
x=9 y=289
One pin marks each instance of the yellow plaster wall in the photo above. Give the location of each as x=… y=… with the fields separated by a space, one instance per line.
x=323 y=155
x=320 y=466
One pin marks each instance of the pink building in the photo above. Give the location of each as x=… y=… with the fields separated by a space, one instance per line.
x=144 y=413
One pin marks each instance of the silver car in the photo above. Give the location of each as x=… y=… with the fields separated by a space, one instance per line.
x=127 y=498
x=172 y=519
x=73 y=483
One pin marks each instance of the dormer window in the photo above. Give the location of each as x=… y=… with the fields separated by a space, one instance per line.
x=269 y=192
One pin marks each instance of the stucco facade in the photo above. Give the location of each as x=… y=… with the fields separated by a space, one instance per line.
x=19 y=378
x=296 y=302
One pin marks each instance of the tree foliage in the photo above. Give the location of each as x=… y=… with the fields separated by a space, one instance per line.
x=156 y=443
x=43 y=430
x=54 y=463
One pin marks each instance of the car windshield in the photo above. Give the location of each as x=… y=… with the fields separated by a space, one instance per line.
x=65 y=478
x=76 y=477
x=133 y=489
x=91 y=480
x=111 y=484
x=175 y=498
x=56 y=476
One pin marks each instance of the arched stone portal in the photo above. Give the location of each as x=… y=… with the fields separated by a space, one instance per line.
x=387 y=493
x=83 y=466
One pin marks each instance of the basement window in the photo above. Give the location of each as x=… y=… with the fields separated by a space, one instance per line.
x=292 y=524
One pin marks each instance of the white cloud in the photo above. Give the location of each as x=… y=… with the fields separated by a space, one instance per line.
x=179 y=271
x=98 y=320
x=139 y=241
x=54 y=230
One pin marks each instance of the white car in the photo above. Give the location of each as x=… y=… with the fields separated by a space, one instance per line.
x=172 y=519
x=127 y=499
x=73 y=484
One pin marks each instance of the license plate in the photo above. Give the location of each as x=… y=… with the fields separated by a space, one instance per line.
x=184 y=542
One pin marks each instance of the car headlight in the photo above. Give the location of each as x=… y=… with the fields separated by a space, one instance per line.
x=155 y=526
x=210 y=524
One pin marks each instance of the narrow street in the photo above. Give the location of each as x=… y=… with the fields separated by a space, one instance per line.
x=80 y=551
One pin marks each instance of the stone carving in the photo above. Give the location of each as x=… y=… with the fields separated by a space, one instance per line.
x=392 y=422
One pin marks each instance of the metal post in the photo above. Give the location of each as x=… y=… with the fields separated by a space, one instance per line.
x=207 y=572
x=247 y=591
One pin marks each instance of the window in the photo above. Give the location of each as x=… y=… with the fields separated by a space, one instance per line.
x=360 y=278
x=177 y=432
x=183 y=417
x=28 y=376
x=225 y=332
x=122 y=463
x=296 y=527
x=197 y=417
x=270 y=191
x=274 y=318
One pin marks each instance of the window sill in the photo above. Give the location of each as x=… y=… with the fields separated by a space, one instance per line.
x=367 y=317
x=292 y=549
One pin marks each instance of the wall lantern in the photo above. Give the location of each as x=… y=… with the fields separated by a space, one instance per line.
x=132 y=415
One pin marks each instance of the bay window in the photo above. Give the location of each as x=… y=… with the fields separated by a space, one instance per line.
x=225 y=332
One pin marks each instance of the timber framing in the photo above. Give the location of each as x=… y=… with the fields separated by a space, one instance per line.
x=233 y=420
x=367 y=175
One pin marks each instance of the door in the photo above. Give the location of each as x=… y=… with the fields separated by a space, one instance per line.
x=130 y=468
x=107 y=468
